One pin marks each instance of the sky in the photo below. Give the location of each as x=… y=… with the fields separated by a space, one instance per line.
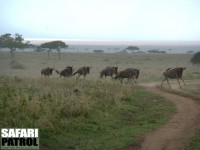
x=123 y=20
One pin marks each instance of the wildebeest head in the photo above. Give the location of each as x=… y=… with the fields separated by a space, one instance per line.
x=51 y=70
x=179 y=71
x=88 y=69
x=115 y=70
x=70 y=68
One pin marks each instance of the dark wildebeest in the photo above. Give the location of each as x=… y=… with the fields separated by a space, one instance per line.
x=67 y=72
x=47 y=71
x=108 y=71
x=129 y=73
x=83 y=71
x=175 y=73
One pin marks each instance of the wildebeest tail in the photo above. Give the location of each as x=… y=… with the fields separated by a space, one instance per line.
x=57 y=71
x=116 y=77
x=168 y=69
x=75 y=73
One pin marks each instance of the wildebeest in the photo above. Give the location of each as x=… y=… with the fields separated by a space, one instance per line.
x=108 y=71
x=47 y=71
x=129 y=73
x=175 y=73
x=83 y=71
x=67 y=72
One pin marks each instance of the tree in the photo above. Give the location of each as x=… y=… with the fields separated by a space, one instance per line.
x=57 y=45
x=132 y=48
x=196 y=58
x=190 y=52
x=12 y=43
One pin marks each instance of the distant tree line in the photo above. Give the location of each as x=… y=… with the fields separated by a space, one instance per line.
x=16 y=42
x=156 y=51
x=98 y=51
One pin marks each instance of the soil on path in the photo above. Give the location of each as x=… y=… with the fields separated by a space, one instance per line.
x=176 y=133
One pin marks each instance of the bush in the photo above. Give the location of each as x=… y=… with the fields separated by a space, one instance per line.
x=98 y=51
x=196 y=58
x=16 y=65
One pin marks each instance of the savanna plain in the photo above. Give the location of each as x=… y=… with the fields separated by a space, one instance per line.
x=104 y=114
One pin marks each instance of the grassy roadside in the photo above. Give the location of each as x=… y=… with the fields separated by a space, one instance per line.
x=195 y=142
x=101 y=115
x=192 y=91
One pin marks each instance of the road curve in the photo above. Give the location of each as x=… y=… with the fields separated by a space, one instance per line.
x=176 y=133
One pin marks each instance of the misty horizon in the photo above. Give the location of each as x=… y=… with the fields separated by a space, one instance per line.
x=112 y=42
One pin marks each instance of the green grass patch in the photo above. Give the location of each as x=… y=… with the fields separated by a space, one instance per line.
x=102 y=115
x=195 y=142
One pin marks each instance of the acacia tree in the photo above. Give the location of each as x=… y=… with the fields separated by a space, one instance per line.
x=57 y=45
x=12 y=43
x=132 y=48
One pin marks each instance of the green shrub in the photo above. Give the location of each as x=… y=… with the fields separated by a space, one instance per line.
x=196 y=58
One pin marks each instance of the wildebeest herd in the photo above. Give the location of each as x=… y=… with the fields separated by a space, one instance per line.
x=129 y=73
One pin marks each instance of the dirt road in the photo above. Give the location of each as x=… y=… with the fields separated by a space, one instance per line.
x=175 y=134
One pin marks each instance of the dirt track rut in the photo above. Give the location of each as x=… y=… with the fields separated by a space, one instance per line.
x=176 y=133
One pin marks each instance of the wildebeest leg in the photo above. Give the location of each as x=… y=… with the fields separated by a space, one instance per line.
x=134 y=80
x=168 y=83
x=163 y=81
x=183 y=81
x=179 y=82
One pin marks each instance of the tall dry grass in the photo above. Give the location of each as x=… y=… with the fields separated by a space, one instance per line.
x=47 y=101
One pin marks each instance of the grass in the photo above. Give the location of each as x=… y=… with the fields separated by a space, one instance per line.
x=190 y=91
x=103 y=115
x=195 y=142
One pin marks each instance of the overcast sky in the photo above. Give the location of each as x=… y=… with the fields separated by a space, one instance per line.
x=102 y=19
